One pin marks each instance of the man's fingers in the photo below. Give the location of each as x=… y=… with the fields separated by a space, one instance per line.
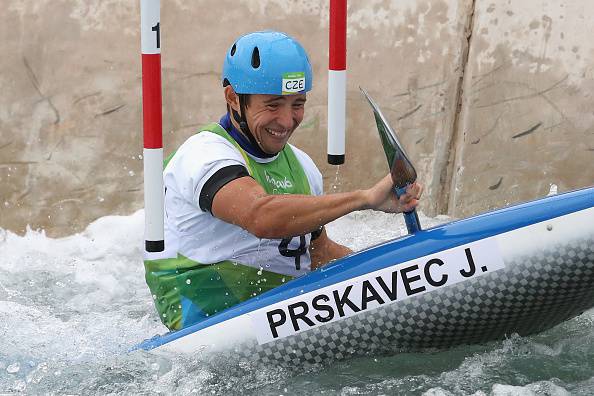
x=420 y=192
x=410 y=200
x=415 y=190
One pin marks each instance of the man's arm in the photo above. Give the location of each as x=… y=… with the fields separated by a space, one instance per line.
x=323 y=250
x=244 y=202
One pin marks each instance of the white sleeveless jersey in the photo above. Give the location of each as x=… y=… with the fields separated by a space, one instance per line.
x=203 y=238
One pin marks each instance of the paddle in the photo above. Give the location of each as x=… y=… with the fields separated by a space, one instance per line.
x=401 y=168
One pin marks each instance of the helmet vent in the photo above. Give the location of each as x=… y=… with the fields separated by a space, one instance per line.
x=233 y=49
x=256 y=58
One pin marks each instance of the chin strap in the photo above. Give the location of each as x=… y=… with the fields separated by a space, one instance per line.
x=242 y=121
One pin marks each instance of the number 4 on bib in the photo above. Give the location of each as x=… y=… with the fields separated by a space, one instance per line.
x=283 y=249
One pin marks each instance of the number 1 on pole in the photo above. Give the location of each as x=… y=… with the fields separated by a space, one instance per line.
x=150 y=26
x=152 y=120
x=156 y=29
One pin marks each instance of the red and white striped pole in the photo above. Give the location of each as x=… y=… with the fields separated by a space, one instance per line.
x=152 y=118
x=337 y=82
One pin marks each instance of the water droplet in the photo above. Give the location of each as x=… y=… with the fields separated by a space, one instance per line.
x=131 y=173
x=188 y=281
x=226 y=293
x=179 y=306
x=164 y=315
x=154 y=297
x=19 y=386
x=13 y=368
x=553 y=190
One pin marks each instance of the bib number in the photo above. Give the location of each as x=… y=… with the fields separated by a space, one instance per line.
x=283 y=249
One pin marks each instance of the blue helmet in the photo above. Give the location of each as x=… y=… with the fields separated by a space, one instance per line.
x=267 y=62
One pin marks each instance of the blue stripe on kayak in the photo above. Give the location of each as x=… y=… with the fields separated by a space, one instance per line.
x=403 y=249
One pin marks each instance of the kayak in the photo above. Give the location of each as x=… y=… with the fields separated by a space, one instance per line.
x=521 y=269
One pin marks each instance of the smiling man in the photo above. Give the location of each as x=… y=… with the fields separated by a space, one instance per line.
x=244 y=209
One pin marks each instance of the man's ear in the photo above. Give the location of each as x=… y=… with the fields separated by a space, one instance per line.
x=231 y=98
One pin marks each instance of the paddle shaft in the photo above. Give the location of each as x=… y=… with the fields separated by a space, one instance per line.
x=410 y=218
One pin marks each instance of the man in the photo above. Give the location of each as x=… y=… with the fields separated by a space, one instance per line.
x=244 y=210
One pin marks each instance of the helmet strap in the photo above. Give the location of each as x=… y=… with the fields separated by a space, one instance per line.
x=243 y=125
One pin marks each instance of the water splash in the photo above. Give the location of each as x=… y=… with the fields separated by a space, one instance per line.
x=70 y=308
x=336 y=184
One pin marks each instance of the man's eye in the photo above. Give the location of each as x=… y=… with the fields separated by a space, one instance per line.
x=272 y=106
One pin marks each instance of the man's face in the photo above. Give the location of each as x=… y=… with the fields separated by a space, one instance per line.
x=273 y=119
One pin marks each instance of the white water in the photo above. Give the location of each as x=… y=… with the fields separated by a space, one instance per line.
x=70 y=309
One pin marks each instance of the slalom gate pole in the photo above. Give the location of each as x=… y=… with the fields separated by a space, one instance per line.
x=152 y=119
x=337 y=82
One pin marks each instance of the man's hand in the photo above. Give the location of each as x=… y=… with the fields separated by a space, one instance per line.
x=382 y=197
x=323 y=250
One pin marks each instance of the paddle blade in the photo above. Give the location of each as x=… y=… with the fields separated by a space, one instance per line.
x=401 y=168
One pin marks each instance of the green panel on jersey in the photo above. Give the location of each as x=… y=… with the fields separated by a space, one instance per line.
x=212 y=288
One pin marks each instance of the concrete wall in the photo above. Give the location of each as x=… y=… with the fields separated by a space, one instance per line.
x=492 y=100
x=527 y=117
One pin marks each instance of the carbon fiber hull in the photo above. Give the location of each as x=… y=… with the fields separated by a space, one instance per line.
x=535 y=292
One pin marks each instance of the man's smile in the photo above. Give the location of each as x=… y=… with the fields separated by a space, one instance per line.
x=278 y=133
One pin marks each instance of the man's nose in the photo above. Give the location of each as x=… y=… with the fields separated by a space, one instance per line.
x=285 y=118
